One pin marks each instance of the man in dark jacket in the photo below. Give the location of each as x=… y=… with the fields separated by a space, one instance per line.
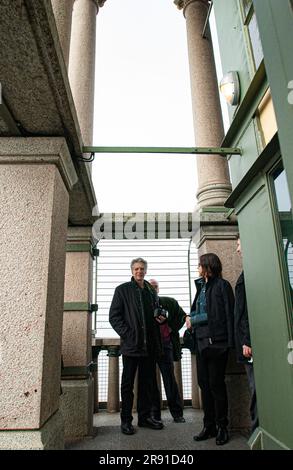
x=243 y=342
x=132 y=317
x=169 y=328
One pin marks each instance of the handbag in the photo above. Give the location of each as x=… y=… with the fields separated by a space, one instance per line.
x=189 y=340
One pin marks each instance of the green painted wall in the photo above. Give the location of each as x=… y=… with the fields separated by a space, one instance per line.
x=232 y=46
x=266 y=279
x=267 y=312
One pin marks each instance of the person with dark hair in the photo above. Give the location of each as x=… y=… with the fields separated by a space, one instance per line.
x=243 y=342
x=212 y=320
x=132 y=317
x=169 y=327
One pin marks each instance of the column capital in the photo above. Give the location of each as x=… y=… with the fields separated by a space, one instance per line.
x=183 y=4
x=113 y=351
x=99 y=4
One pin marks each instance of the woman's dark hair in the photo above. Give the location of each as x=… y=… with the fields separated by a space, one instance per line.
x=211 y=265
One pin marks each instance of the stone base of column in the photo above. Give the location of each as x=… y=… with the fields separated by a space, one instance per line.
x=49 y=437
x=195 y=398
x=213 y=194
x=238 y=395
x=239 y=401
x=76 y=405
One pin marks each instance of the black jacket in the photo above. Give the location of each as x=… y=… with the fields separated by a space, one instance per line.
x=242 y=333
x=176 y=319
x=132 y=317
x=220 y=309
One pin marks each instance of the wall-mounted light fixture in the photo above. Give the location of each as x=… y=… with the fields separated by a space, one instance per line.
x=230 y=88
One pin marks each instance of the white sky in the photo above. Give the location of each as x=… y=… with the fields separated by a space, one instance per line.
x=143 y=98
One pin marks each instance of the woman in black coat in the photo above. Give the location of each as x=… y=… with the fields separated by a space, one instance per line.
x=212 y=321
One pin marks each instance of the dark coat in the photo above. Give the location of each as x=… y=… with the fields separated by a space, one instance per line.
x=176 y=319
x=135 y=324
x=242 y=333
x=220 y=309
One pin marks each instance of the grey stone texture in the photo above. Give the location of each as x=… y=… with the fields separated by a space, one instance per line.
x=33 y=213
x=76 y=336
x=49 y=437
x=63 y=16
x=30 y=48
x=82 y=64
x=76 y=406
x=213 y=174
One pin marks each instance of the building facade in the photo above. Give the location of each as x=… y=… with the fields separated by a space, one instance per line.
x=253 y=40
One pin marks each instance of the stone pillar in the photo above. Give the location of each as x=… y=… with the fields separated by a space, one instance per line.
x=178 y=377
x=77 y=383
x=218 y=231
x=213 y=175
x=195 y=399
x=96 y=350
x=36 y=175
x=113 y=404
x=63 y=15
x=82 y=63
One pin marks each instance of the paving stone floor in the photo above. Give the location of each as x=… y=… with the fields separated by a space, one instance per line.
x=174 y=436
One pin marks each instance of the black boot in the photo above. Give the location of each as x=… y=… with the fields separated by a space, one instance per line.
x=222 y=436
x=205 y=434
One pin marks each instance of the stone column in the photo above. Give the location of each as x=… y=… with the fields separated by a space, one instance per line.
x=195 y=399
x=113 y=404
x=63 y=15
x=178 y=377
x=96 y=352
x=77 y=383
x=36 y=175
x=82 y=63
x=213 y=175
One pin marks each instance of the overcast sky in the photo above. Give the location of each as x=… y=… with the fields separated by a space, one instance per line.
x=143 y=98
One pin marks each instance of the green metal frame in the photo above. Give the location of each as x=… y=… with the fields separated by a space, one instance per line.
x=79 y=307
x=169 y=150
x=77 y=371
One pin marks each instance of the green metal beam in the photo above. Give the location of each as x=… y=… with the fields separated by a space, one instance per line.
x=169 y=150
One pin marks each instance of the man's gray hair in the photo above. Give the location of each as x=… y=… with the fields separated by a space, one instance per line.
x=139 y=260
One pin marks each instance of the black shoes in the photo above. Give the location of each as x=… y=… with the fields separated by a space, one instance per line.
x=150 y=423
x=222 y=436
x=179 y=419
x=127 y=428
x=205 y=434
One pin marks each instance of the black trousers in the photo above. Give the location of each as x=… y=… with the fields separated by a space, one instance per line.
x=253 y=406
x=146 y=369
x=174 y=401
x=211 y=366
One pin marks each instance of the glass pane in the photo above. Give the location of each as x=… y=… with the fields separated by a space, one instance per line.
x=255 y=41
x=285 y=217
